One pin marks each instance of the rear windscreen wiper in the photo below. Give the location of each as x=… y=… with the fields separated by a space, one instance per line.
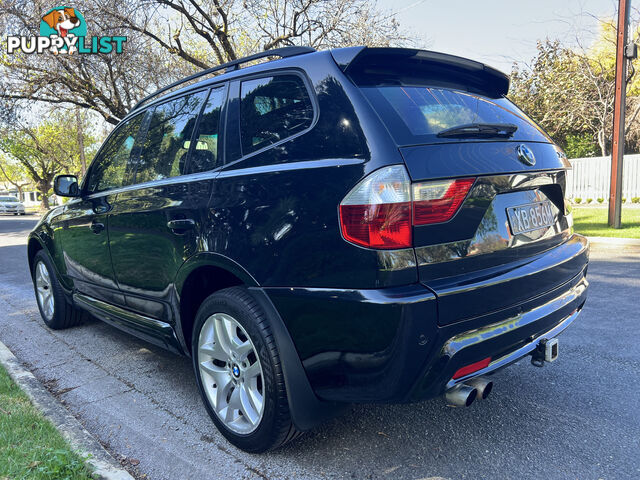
x=479 y=130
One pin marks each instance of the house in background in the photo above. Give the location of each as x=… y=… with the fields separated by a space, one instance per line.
x=30 y=197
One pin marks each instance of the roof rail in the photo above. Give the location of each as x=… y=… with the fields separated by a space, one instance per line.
x=282 y=52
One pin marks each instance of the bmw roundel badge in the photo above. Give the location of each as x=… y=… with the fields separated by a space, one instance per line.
x=525 y=155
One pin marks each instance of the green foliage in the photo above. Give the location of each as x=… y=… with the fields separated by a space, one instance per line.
x=600 y=199
x=580 y=146
x=635 y=199
x=30 y=446
x=589 y=200
x=577 y=200
x=48 y=149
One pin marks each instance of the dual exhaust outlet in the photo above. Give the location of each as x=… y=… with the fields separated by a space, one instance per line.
x=466 y=393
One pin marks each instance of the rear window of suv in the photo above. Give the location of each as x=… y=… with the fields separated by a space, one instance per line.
x=415 y=115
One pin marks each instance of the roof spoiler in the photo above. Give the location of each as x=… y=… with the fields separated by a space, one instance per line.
x=408 y=66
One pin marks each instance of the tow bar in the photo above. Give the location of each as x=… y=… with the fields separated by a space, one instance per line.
x=546 y=351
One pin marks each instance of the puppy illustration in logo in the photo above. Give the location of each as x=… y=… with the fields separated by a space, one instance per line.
x=62 y=20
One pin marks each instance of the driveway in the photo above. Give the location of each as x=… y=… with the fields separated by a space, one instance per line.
x=577 y=418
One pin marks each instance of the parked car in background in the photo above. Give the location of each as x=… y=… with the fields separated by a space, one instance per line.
x=361 y=225
x=9 y=204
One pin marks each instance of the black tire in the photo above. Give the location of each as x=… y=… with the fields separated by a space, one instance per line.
x=275 y=427
x=65 y=315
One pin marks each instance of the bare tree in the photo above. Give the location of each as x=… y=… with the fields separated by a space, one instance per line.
x=170 y=38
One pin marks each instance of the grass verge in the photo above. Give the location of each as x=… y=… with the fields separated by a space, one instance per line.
x=592 y=221
x=30 y=446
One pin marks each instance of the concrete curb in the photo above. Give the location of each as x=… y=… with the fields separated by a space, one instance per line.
x=104 y=465
x=614 y=241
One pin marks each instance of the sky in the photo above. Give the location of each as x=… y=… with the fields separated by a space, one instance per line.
x=499 y=32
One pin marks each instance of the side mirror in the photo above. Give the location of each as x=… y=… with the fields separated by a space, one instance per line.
x=66 y=186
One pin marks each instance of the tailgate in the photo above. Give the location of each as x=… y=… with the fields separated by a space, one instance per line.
x=510 y=241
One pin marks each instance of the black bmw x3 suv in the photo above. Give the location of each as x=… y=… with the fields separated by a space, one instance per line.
x=355 y=225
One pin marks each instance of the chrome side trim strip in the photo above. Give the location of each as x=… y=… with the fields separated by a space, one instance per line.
x=121 y=313
x=192 y=177
x=218 y=173
x=281 y=167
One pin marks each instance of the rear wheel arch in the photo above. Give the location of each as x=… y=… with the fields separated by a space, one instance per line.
x=200 y=277
x=307 y=410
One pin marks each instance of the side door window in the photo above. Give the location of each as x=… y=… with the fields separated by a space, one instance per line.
x=108 y=169
x=272 y=109
x=164 y=151
x=206 y=153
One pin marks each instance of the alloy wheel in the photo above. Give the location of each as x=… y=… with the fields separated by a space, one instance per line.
x=231 y=373
x=44 y=291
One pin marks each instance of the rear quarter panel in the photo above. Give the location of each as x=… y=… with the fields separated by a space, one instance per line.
x=276 y=212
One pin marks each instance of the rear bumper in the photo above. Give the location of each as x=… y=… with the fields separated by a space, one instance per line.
x=518 y=353
x=386 y=346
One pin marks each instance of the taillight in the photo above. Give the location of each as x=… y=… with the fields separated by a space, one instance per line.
x=380 y=211
x=438 y=201
x=377 y=212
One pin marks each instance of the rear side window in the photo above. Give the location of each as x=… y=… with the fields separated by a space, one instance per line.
x=416 y=114
x=108 y=169
x=164 y=151
x=205 y=154
x=272 y=109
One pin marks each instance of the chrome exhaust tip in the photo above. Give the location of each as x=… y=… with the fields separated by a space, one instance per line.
x=461 y=396
x=483 y=386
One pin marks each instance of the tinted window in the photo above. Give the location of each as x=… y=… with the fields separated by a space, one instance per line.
x=164 y=151
x=205 y=154
x=417 y=114
x=272 y=109
x=108 y=170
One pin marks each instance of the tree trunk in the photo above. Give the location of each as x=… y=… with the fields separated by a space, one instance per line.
x=602 y=143
x=43 y=188
x=83 y=160
x=20 y=195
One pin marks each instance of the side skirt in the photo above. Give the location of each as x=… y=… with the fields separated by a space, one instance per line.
x=151 y=330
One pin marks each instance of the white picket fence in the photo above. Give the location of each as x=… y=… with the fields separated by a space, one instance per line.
x=590 y=178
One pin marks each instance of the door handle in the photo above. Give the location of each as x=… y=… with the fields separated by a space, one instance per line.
x=97 y=227
x=180 y=225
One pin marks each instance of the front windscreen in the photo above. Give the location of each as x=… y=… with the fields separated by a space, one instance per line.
x=416 y=115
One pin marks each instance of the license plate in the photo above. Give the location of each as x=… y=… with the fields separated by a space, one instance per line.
x=530 y=217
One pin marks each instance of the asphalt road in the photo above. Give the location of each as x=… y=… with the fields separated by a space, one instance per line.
x=578 y=418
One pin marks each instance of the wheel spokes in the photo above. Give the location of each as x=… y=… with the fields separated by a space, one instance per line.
x=214 y=351
x=231 y=373
x=44 y=293
x=252 y=371
x=250 y=408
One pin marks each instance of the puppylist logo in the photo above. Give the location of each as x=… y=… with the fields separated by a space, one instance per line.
x=64 y=30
